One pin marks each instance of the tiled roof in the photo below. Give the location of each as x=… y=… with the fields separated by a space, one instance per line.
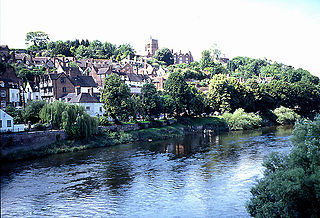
x=84 y=81
x=133 y=77
x=103 y=70
x=73 y=70
x=83 y=98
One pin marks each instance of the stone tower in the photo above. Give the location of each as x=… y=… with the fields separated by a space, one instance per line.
x=151 y=47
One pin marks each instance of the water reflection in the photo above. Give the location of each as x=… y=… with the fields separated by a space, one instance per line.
x=202 y=175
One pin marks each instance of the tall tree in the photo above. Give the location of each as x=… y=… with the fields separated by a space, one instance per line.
x=165 y=55
x=116 y=98
x=179 y=90
x=37 y=40
x=150 y=100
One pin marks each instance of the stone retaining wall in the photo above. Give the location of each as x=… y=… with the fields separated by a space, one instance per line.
x=14 y=142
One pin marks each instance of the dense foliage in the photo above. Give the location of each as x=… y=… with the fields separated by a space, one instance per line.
x=165 y=55
x=116 y=98
x=29 y=113
x=291 y=184
x=286 y=115
x=240 y=120
x=72 y=118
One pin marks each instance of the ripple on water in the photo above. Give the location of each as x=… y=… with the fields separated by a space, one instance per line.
x=189 y=177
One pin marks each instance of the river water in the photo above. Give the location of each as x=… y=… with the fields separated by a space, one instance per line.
x=200 y=175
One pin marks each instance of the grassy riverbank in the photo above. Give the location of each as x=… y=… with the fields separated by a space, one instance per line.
x=105 y=138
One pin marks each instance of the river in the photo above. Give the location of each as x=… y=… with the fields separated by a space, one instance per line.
x=200 y=175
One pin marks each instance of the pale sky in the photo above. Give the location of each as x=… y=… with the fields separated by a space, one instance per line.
x=286 y=31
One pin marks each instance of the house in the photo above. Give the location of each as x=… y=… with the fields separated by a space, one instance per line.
x=7 y=124
x=55 y=85
x=32 y=92
x=10 y=88
x=92 y=105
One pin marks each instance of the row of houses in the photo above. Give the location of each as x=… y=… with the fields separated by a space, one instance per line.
x=73 y=81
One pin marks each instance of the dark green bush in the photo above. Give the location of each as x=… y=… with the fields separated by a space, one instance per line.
x=291 y=184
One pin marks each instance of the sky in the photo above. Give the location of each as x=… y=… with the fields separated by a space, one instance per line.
x=286 y=31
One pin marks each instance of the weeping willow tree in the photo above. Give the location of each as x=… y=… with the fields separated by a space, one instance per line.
x=72 y=118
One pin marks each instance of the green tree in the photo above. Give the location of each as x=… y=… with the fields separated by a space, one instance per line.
x=150 y=100
x=62 y=48
x=109 y=49
x=165 y=55
x=291 y=184
x=32 y=110
x=226 y=94
x=178 y=89
x=37 y=40
x=206 y=59
x=116 y=98
x=123 y=51
x=84 y=52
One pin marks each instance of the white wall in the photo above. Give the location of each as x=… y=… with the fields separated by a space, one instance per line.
x=14 y=96
x=93 y=109
x=6 y=119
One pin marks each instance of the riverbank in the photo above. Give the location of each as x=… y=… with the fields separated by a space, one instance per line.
x=109 y=138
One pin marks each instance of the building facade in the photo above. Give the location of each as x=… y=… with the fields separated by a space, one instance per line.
x=182 y=58
x=151 y=47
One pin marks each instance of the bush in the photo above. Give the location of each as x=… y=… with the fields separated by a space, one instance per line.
x=286 y=115
x=291 y=184
x=103 y=121
x=240 y=120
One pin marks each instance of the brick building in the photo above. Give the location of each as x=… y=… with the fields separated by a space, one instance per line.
x=182 y=58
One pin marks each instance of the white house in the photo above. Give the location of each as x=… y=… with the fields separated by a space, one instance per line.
x=93 y=107
x=7 y=125
x=32 y=92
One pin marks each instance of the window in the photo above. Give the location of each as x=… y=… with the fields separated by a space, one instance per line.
x=63 y=79
x=0 y=123
x=3 y=93
x=3 y=104
x=50 y=90
x=64 y=89
x=100 y=109
x=88 y=108
x=8 y=123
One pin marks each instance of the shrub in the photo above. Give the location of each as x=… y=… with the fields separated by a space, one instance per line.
x=240 y=120
x=103 y=121
x=286 y=115
x=291 y=184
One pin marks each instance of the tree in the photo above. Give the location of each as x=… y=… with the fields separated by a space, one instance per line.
x=116 y=98
x=179 y=90
x=32 y=110
x=226 y=94
x=84 y=52
x=165 y=55
x=123 y=51
x=216 y=52
x=38 y=40
x=150 y=100
x=291 y=184
x=206 y=59
x=109 y=49
x=62 y=48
